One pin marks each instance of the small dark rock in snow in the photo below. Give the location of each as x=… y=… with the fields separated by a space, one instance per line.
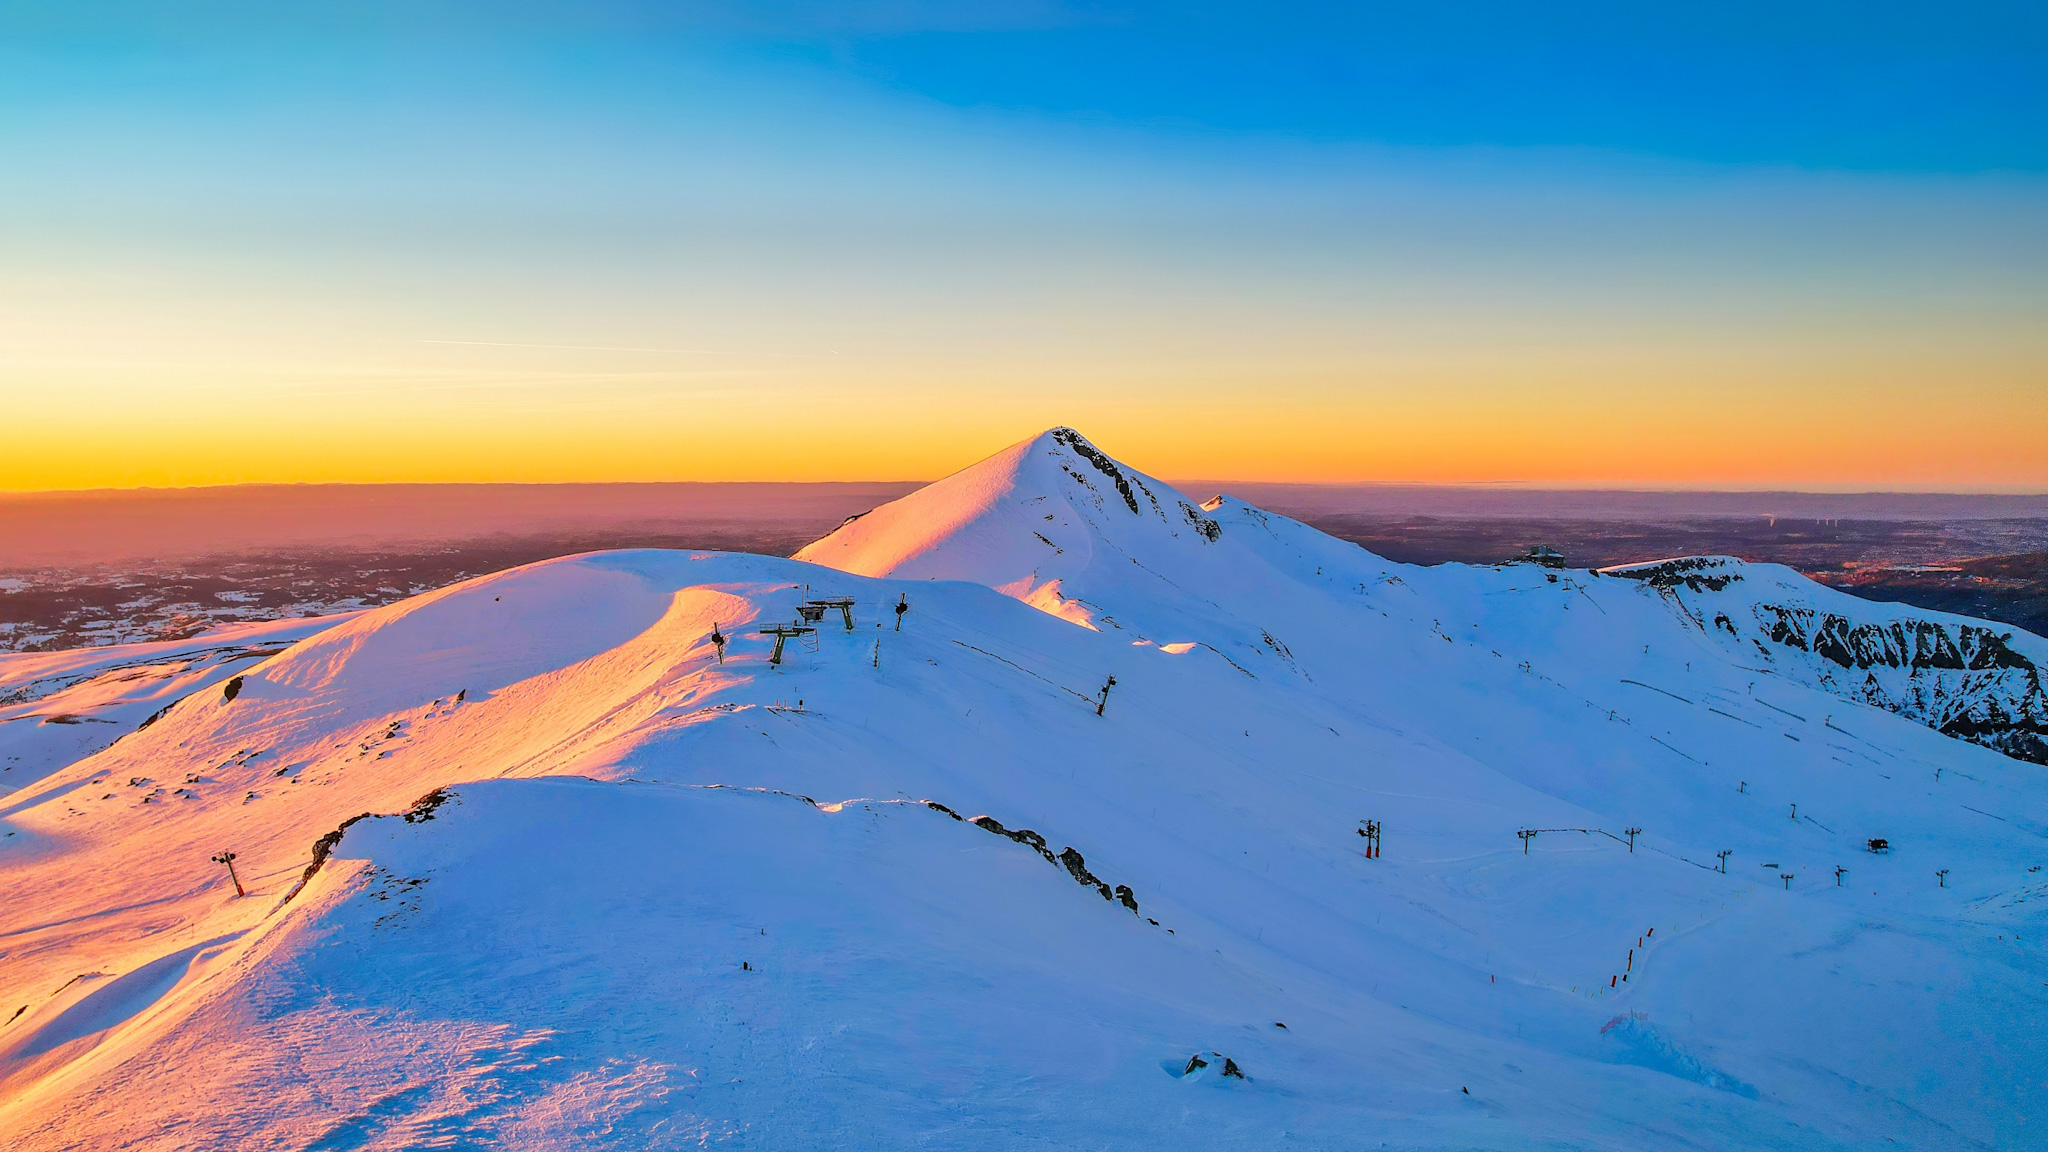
x=1077 y=865
x=423 y=808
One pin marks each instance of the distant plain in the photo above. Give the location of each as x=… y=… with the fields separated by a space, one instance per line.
x=89 y=568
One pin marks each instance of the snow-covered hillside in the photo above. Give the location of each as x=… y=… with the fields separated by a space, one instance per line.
x=530 y=866
x=1968 y=678
x=56 y=707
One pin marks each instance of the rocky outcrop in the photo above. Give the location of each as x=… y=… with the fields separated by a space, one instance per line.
x=1075 y=443
x=1068 y=858
x=1962 y=680
x=1966 y=679
x=422 y=810
x=1209 y=529
x=1699 y=573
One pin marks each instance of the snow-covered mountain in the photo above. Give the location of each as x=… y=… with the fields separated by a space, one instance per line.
x=530 y=865
x=1968 y=678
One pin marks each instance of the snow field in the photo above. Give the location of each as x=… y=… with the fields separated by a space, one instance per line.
x=571 y=950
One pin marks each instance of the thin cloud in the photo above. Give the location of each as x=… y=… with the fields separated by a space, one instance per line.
x=577 y=347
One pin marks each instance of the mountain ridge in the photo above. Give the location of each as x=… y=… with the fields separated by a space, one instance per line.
x=1038 y=861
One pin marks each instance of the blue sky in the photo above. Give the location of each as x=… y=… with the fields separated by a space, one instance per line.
x=1871 y=86
x=1415 y=225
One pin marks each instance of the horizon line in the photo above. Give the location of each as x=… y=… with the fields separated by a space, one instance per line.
x=1500 y=486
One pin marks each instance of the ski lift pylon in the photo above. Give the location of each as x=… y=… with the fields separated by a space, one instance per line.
x=782 y=633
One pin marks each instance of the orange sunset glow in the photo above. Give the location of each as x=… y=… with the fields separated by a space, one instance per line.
x=1824 y=418
x=720 y=269
x=996 y=575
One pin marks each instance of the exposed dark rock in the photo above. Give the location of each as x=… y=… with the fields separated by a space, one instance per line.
x=1912 y=644
x=1078 y=867
x=322 y=849
x=1695 y=572
x=1195 y=1062
x=1230 y=1068
x=423 y=808
x=1962 y=680
x=1024 y=836
x=1071 y=860
x=231 y=689
x=1103 y=464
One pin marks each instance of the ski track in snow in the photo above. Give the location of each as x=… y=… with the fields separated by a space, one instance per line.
x=583 y=884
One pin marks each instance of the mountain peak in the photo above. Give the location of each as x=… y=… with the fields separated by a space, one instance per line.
x=1038 y=510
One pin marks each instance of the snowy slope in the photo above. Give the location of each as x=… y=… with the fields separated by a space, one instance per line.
x=1054 y=522
x=1972 y=679
x=652 y=899
x=56 y=707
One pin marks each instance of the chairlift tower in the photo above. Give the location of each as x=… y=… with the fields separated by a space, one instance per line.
x=782 y=633
x=826 y=603
x=228 y=858
x=1370 y=829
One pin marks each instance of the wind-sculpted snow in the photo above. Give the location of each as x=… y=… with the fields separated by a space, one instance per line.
x=1965 y=678
x=533 y=863
x=57 y=707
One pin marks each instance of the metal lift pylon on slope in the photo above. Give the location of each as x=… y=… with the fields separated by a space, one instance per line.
x=814 y=611
x=782 y=633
